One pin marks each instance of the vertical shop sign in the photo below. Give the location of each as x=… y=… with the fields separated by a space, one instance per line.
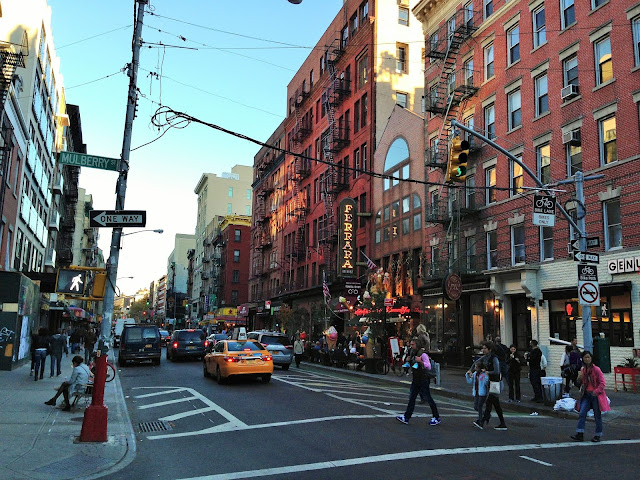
x=347 y=238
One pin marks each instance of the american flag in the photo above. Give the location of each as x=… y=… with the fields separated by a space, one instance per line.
x=325 y=288
x=370 y=263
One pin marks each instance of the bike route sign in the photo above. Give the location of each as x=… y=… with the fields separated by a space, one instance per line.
x=588 y=288
x=544 y=210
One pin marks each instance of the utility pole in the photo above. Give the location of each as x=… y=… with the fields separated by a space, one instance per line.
x=580 y=226
x=94 y=425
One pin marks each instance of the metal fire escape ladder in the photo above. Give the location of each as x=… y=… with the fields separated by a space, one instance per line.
x=298 y=248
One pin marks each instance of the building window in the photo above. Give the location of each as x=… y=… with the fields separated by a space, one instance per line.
x=490 y=180
x=543 y=155
x=468 y=72
x=236 y=235
x=604 y=64
x=356 y=163
x=539 y=27
x=612 y=224
x=230 y=191
x=568 y=13
x=570 y=70
x=515 y=111
x=403 y=16
x=236 y=276
x=234 y=297
x=377 y=236
x=488 y=62
x=401 y=58
x=596 y=3
x=406 y=226
x=236 y=256
x=363 y=66
x=468 y=14
x=353 y=24
x=517 y=178
x=492 y=249
x=635 y=24
x=247 y=210
x=490 y=121
x=574 y=158
x=401 y=99
x=386 y=213
x=488 y=8
x=470 y=192
x=542 y=95
x=364 y=11
x=229 y=208
x=406 y=205
x=356 y=117
x=608 y=145
x=364 y=109
x=386 y=183
x=363 y=208
x=546 y=243
x=513 y=44
x=405 y=171
x=385 y=234
x=417 y=221
x=517 y=244
x=344 y=36
x=363 y=149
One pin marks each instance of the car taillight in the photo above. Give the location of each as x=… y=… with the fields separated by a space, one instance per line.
x=290 y=347
x=206 y=343
x=175 y=344
x=231 y=359
x=267 y=358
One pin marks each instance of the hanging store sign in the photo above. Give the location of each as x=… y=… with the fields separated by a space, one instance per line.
x=347 y=238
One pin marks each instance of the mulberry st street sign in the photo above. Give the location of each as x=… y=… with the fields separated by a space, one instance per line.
x=92 y=161
x=117 y=218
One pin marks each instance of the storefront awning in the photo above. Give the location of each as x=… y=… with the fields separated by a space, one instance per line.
x=615 y=288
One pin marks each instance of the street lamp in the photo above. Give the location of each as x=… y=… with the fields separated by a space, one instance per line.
x=158 y=230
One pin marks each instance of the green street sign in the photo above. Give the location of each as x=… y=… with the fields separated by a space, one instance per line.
x=91 y=161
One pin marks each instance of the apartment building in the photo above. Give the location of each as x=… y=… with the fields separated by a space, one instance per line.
x=549 y=81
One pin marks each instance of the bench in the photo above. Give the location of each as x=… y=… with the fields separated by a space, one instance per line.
x=85 y=395
x=634 y=382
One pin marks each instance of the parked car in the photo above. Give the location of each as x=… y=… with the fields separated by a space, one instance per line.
x=117 y=329
x=165 y=337
x=139 y=343
x=277 y=344
x=213 y=339
x=188 y=343
x=238 y=357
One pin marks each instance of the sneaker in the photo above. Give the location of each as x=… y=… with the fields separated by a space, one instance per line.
x=596 y=439
x=66 y=409
x=517 y=401
x=415 y=365
x=478 y=424
x=502 y=427
x=50 y=402
x=401 y=419
x=437 y=421
x=578 y=437
x=406 y=365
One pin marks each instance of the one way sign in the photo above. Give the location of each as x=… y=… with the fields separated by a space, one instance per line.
x=118 y=218
x=592 y=242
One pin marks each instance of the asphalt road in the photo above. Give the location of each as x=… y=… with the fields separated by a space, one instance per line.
x=315 y=425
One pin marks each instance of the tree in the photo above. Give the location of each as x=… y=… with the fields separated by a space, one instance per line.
x=138 y=309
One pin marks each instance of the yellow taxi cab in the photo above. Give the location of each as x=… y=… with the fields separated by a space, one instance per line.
x=238 y=357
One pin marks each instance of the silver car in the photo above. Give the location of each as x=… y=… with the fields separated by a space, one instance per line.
x=276 y=343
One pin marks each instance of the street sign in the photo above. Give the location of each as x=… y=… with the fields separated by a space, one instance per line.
x=588 y=288
x=117 y=218
x=588 y=257
x=544 y=210
x=92 y=161
x=592 y=242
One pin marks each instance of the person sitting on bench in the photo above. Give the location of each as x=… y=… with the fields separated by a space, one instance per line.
x=76 y=384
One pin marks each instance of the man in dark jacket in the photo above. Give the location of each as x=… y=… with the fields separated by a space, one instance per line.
x=515 y=368
x=41 y=349
x=58 y=346
x=502 y=352
x=535 y=370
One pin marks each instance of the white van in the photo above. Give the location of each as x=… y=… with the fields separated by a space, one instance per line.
x=120 y=323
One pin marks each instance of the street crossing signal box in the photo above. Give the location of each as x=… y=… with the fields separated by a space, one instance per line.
x=71 y=281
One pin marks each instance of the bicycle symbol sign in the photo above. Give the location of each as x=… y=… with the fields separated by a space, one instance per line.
x=544 y=210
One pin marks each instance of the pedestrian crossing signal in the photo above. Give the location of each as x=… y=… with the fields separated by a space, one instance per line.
x=571 y=309
x=71 y=281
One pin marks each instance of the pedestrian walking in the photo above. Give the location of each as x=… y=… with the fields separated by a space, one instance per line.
x=421 y=364
x=298 y=350
x=90 y=339
x=41 y=350
x=423 y=337
x=491 y=365
x=57 y=346
x=79 y=379
x=75 y=339
x=503 y=357
x=515 y=367
x=480 y=388
x=535 y=370
x=592 y=397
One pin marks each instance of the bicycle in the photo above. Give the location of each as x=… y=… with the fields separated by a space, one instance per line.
x=383 y=365
x=111 y=370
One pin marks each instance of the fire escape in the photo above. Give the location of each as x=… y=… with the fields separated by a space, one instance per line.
x=261 y=233
x=447 y=98
x=65 y=239
x=334 y=140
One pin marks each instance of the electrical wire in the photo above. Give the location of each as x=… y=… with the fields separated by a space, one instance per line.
x=93 y=36
x=122 y=70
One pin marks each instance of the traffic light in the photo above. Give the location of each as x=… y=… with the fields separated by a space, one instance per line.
x=71 y=281
x=144 y=313
x=99 y=285
x=457 y=164
x=571 y=309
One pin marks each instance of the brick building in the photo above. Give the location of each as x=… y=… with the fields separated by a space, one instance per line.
x=338 y=103
x=549 y=81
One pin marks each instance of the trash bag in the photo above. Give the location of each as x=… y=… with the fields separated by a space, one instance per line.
x=565 y=404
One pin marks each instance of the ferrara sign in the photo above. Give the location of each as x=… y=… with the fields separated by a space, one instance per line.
x=347 y=239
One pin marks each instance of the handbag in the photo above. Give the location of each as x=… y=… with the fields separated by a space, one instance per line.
x=494 y=387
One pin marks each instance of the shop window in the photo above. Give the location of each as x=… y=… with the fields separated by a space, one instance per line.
x=613 y=319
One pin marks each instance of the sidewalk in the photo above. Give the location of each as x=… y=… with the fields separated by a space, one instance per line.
x=454 y=385
x=41 y=442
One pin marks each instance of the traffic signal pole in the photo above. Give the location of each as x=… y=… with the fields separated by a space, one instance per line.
x=94 y=425
x=580 y=226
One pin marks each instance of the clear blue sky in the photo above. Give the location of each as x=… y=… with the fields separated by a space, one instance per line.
x=231 y=80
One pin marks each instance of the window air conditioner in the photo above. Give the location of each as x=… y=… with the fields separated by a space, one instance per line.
x=572 y=138
x=569 y=91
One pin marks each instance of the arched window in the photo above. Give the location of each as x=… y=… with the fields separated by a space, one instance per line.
x=398 y=152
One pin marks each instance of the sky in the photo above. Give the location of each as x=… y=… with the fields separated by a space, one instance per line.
x=233 y=67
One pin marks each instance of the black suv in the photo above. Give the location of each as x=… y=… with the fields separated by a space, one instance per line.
x=139 y=343
x=188 y=343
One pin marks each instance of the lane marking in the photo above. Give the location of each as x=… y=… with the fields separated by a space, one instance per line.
x=178 y=416
x=167 y=402
x=155 y=394
x=403 y=456
x=536 y=461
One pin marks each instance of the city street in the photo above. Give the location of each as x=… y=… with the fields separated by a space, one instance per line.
x=331 y=424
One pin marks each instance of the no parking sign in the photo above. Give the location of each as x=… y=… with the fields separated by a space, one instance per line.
x=588 y=288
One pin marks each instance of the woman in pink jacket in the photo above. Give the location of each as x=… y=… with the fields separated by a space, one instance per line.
x=592 y=397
